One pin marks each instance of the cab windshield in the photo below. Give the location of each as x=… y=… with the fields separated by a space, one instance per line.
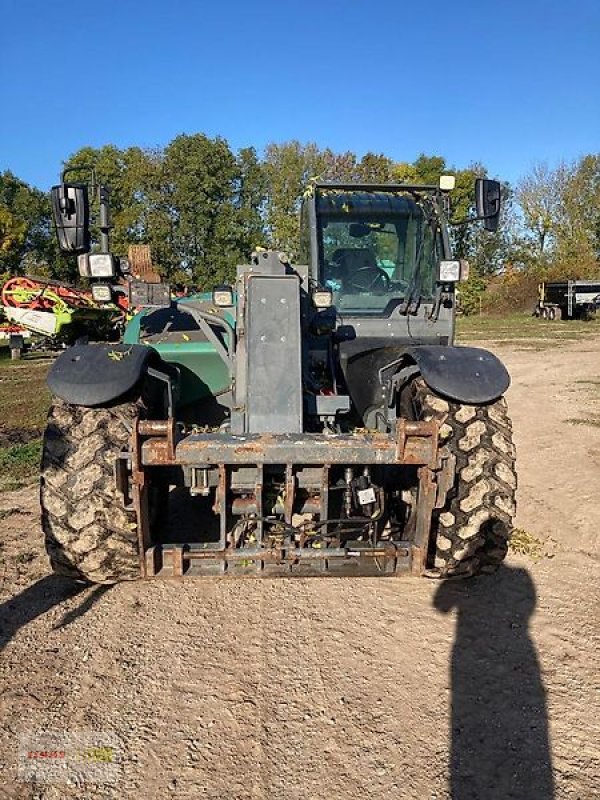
x=370 y=260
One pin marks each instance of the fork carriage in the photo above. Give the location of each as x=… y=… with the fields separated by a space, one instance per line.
x=297 y=535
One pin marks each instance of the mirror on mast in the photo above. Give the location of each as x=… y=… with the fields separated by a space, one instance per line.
x=71 y=213
x=487 y=201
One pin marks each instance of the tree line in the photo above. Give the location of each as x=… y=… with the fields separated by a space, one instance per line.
x=203 y=208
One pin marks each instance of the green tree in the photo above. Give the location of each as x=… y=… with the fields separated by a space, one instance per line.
x=121 y=171
x=577 y=244
x=560 y=218
x=27 y=223
x=202 y=178
x=338 y=167
x=288 y=169
x=539 y=195
x=250 y=198
x=374 y=168
x=12 y=233
x=427 y=169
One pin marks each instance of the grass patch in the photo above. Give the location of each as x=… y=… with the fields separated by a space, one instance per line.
x=24 y=402
x=523 y=326
x=24 y=397
x=19 y=465
x=526 y=544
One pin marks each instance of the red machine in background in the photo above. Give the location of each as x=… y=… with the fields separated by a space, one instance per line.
x=52 y=309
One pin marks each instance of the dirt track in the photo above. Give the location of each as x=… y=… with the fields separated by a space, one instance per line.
x=315 y=688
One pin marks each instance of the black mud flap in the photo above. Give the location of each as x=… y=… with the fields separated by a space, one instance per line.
x=466 y=374
x=96 y=374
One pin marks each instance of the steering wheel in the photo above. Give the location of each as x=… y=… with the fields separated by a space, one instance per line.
x=377 y=277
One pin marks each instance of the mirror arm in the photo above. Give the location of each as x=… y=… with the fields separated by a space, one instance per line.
x=85 y=168
x=469 y=220
x=460 y=222
x=104 y=221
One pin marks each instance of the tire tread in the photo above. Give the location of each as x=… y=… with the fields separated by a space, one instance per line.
x=472 y=530
x=89 y=535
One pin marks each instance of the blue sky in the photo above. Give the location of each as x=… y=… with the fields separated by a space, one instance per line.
x=507 y=83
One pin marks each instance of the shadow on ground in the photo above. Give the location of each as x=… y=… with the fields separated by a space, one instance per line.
x=39 y=598
x=499 y=727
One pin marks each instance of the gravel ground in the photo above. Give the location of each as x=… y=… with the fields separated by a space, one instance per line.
x=339 y=688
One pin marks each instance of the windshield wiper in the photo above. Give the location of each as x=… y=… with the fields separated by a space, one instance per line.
x=412 y=300
x=410 y=304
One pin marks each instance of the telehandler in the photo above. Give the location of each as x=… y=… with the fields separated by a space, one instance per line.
x=313 y=418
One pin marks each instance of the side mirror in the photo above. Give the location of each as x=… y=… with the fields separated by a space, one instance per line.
x=71 y=212
x=487 y=202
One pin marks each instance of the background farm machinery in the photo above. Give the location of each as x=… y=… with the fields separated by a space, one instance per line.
x=55 y=314
x=568 y=299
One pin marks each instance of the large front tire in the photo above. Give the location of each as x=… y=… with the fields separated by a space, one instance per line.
x=472 y=530
x=89 y=534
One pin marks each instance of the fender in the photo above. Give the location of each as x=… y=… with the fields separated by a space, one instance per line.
x=465 y=374
x=96 y=374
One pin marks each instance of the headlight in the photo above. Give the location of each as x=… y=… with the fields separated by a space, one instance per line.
x=449 y=271
x=322 y=298
x=222 y=296
x=102 y=265
x=96 y=265
x=102 y=293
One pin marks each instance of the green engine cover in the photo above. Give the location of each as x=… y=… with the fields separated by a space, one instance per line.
x=179 y=340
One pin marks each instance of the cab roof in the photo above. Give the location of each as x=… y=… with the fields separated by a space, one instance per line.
x=368 y=199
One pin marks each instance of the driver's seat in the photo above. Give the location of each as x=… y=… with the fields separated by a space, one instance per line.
x=351 y=259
